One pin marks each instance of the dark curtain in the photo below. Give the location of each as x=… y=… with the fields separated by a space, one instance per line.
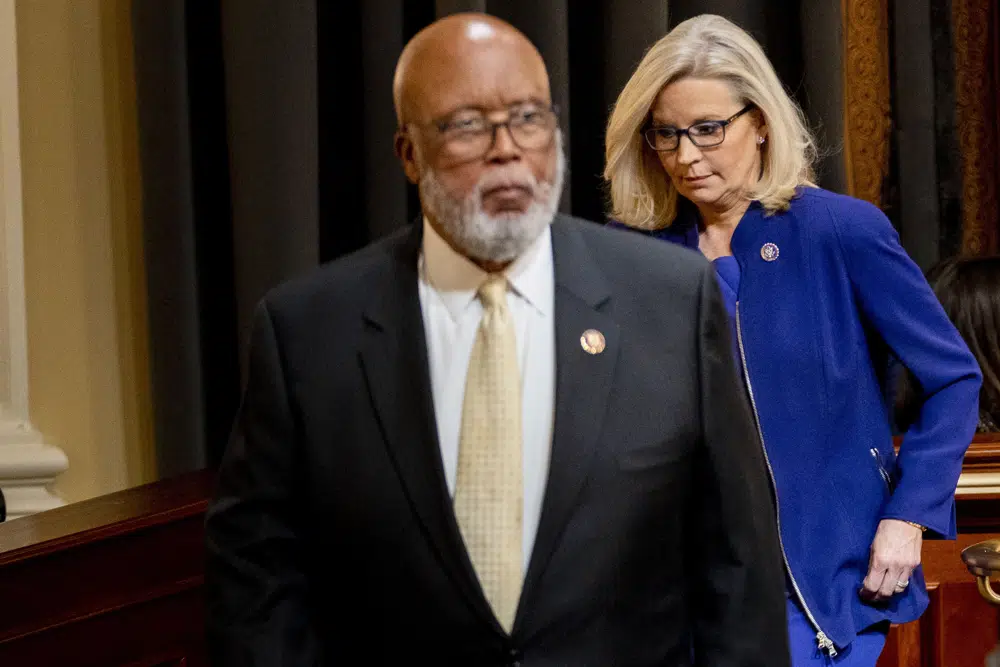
x=266 y=141
x=189 y=250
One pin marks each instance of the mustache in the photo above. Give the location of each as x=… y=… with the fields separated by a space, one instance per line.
x=510 y=178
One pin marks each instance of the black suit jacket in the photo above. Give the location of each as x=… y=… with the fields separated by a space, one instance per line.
x=332 y=541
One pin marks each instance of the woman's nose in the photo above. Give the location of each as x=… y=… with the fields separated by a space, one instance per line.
x=687 y=152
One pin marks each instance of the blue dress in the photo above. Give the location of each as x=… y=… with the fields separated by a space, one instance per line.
x=727 y=270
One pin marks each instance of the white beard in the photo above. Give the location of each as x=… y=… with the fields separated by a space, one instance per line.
x=494 y=238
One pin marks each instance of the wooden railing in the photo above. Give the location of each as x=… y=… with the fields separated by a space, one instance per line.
x=111 y=582
x=983 y=455
x=959 y=628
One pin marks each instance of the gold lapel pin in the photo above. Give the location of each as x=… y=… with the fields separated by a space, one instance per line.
x=592 y=341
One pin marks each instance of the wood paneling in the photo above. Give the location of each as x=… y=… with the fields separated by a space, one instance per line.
x=867 y=101
x=962 y=627
x=959 y=628
x=983 y=455
x=976 y=85
x=111 y=582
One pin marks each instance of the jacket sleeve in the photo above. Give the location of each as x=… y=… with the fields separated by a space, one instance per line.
x=738 y=584
x=256 y=588
x=892 y=293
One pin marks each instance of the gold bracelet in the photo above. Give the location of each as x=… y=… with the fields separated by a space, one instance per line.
x=923 y=529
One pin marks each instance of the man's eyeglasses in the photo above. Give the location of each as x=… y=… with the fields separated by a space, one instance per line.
x=469 y=134
x=705 y=134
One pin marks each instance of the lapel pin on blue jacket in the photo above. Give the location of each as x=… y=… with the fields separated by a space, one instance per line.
x=769 y=252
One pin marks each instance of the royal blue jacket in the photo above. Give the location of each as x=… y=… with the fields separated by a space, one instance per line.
x=818 y=312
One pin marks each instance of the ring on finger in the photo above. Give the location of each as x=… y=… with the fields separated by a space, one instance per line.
x=901 y=585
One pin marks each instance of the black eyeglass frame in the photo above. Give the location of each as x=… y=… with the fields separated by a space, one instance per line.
x=720 y=124
x=442 y=126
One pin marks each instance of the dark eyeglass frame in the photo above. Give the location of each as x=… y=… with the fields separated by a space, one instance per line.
x=442 y=126
x=650 y=136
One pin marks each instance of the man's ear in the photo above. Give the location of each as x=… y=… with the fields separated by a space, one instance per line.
x=406 y=152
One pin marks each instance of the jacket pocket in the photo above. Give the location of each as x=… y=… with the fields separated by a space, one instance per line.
x=882 y=470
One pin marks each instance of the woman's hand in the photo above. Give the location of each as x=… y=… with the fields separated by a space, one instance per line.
x=895 y=553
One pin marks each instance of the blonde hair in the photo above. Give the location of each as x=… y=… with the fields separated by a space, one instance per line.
x=710 y=47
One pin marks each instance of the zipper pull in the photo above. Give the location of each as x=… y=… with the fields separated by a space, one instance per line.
x=825 y=644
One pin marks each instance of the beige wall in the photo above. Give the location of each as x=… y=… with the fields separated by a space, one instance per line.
x=84 y=282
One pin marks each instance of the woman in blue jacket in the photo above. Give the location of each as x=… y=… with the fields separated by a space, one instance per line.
x=706 y=149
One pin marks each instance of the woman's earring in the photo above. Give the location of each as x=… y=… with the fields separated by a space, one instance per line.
x=760 y=141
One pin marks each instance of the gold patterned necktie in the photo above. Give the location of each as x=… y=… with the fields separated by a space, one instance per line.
x=488 y=491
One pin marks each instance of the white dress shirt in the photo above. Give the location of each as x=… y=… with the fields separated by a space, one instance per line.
x=451 y=311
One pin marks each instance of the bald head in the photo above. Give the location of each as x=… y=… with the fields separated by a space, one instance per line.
x=466 y=60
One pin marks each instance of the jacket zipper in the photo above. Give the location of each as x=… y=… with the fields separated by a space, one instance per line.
x=881 y=468
x=822 y=640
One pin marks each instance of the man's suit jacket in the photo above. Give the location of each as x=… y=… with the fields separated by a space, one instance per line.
x=332 y=540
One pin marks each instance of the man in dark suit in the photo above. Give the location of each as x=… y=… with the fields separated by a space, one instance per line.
x=503 y=436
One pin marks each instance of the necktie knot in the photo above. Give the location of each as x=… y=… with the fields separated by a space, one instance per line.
x=493 y=293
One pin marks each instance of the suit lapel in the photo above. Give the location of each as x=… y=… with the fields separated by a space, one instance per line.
x=394 y=359
x=583 y=384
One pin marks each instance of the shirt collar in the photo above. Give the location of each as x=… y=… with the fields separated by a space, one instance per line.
x=457 y=279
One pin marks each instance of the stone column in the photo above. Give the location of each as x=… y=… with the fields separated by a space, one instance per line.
x=28 y=465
